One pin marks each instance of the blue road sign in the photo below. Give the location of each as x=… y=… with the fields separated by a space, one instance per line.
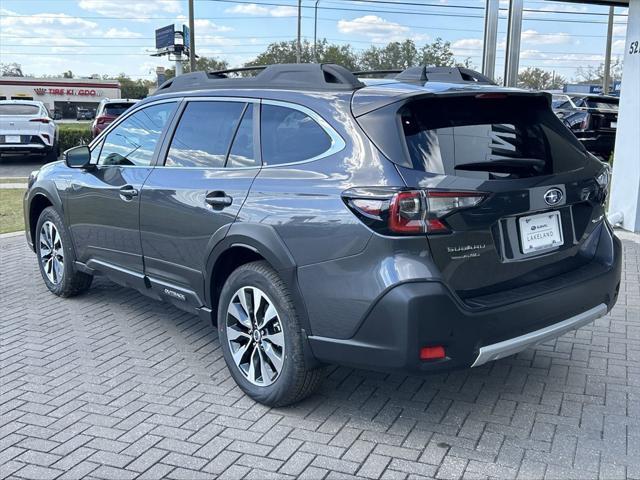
x=165 y=37
x=186 y=38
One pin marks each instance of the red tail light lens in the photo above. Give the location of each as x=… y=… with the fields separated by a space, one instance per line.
x=432 y=353
x=408 y=212
x=101 y=120
x=40 y=120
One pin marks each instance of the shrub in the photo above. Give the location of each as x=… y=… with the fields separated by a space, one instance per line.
x=73 y=134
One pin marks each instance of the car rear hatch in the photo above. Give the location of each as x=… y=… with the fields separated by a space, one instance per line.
x=513 y=197
x=19 y=122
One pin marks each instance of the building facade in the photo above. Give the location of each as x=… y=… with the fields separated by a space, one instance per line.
x=62 y=96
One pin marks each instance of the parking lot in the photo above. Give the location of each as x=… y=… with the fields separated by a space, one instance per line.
x=112 y=385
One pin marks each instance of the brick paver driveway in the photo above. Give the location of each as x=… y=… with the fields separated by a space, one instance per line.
x=112 y=385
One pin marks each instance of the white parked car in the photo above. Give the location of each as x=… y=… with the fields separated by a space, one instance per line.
x=27 y=127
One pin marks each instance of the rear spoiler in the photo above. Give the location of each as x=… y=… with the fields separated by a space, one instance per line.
x=447 y=90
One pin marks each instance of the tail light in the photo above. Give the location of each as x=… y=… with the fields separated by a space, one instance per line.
x=101 y=120
x=40 y=120
x=408 y=212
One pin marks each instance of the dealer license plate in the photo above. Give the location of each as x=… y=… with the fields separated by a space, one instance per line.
x=540 y=232
x=12 y=138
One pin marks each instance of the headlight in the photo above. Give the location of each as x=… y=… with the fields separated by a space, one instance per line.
x=33 y=176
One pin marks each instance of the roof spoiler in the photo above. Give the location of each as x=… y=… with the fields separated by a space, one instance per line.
x=425 y=74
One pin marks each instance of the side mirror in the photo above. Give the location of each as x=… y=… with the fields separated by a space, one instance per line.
x=78 y=157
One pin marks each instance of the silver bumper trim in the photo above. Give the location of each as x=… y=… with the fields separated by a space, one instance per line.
x=517 y=344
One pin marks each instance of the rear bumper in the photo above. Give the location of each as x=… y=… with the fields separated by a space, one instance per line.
x=417 y=314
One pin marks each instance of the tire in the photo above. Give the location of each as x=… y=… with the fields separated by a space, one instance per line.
x=295 y=380
x=65 y=280
x=51 y=155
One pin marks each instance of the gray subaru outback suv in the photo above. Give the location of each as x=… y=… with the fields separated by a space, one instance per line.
x=420 y=222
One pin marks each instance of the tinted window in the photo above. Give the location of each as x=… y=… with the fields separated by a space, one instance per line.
x=289 y=135
x=134 y=140
x=242 y=152
x=204 y=134
x=116 y=109
x=488 y=138
x=18 y=109
x=602 y=103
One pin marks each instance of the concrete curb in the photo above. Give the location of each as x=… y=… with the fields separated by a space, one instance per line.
x=12 y=234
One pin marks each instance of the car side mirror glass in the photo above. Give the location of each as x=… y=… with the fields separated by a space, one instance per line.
x=78 y=157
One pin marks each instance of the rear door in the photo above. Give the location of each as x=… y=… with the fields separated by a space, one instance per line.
x=541 y=200
x=191 y=198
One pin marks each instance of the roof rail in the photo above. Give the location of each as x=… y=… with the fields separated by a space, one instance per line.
x=303 y=76
x=377 y=72
x=443 y=74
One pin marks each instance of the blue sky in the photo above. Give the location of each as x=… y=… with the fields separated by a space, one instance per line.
x=113 y=36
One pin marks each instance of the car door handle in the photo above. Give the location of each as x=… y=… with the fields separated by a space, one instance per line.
x=218 y=199
x=128 y=192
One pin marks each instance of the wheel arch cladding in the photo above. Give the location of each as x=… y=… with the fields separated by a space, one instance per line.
x=38 y=203
x=248 y=242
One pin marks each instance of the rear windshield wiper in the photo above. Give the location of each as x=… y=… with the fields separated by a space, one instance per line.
x=504 y=166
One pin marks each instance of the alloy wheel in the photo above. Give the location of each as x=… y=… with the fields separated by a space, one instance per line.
x=255 y=336
x=51 y=252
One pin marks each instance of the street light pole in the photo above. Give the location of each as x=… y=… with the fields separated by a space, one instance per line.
x=192 y=39
x=315 y=32
x=299 y=44
x=606 y=78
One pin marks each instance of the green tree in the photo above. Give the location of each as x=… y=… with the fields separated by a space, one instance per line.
x=401 y=55
x=67 y=74
x=437 y=54
x=203 y=64
x=285 y=52
x=593 y=74
x=539 y=79
x=11 y=70
x=133 y=88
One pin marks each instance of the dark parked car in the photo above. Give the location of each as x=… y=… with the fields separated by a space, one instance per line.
x=84 y=114
x=108 y=110
x=593 y=119
x=395 y=224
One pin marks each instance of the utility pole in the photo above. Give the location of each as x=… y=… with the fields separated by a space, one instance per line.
x=606 y=78
x=299 y=44
x=315 y=32
x=192 y=39
x=512 y=54
x=490 y=38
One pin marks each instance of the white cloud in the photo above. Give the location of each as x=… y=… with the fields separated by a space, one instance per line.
x=467 y=44
x=532 y=36
x=121 y=33
x=132 y=8
x=619 y=30
x=374 y=27
x=259 y=10
x=207 y=26
x=10 y=19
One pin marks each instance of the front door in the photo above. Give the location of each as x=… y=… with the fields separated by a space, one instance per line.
x=103 y=210
x=189 y=201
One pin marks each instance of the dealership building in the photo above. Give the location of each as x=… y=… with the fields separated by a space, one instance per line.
x=63 y=95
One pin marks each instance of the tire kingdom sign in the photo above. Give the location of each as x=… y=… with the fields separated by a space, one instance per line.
x=80 y=92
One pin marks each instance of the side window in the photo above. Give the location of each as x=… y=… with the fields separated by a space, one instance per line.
x=242 y=152
x=134 y=140
x=288 y=135
x=204 y=134
x=95 y=153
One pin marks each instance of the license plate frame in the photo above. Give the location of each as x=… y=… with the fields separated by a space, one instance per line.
x=12 y=139
x=540 y=232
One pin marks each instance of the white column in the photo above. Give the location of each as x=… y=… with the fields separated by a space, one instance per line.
x=625 y=186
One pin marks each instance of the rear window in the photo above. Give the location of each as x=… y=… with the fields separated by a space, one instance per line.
x=116 y=109
x=19 y=109
x=602 y=103
x=503 y=137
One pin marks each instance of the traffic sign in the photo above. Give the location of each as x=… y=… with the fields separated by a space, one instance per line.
x=165 y=36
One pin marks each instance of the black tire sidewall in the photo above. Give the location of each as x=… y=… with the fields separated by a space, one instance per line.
x=50 y=214
x=245 y=277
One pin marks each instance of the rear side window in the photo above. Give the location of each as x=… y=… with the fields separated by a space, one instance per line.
x=502 y=137
x=242 y=152
x=602 y=103
x=204 y=134
x=116 y=109
x=289 y=135
x=19 y=109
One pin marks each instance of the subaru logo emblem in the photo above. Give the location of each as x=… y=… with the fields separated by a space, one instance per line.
x=553 y=196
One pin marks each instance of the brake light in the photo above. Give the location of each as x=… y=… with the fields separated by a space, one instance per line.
x=40 y=120
x=432 y=353
x=408 y=212
x=101 y=120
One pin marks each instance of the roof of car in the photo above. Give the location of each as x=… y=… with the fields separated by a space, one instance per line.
x=23 y=102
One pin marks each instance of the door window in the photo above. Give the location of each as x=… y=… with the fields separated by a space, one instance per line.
x=134 y=140
x=204 y=133
x=242 y=152
x=289 y=135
